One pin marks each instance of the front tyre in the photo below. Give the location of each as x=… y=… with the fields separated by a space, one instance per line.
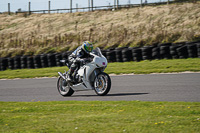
x=102 y=84
x=63 y=88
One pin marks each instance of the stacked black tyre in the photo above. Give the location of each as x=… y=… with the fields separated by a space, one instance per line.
x=104 y=53
x=30 y=63
x=155 y=52
x=147 y=53
x=124 y=54
x=23 y=62
x=174 y=52
x=11 y=63
x=118 y=53
x=127 y=55
x=192 y=50
x=198 y=49
x=165 y=51
x=3 y=64
x=17 y=62
x=137 y=54
x=44 y=62
x=51 y=60
x=37 y=61
x=111 y=56
x=182 y=52
x=65 y=56
x=58 y=58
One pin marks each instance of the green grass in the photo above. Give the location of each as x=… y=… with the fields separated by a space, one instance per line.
x=99 y=116
x=143 y=67
x=155 y=66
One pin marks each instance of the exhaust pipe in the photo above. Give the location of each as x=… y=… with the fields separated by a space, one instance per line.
x=61 y=75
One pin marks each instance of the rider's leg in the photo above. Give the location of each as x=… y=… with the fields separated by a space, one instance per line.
x=71 y=71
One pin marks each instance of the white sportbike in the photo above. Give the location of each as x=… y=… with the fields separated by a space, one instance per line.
x=90 y=76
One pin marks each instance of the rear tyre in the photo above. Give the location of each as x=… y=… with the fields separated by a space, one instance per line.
x=63 y=88
x=102 y=84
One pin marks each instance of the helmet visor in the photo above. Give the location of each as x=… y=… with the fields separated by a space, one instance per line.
x=89 y=49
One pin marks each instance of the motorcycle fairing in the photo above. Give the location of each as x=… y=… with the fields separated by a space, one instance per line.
x=85 y=73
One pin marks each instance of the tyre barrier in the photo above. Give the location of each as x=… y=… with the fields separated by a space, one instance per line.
x=3 y=64
x=10 y=63
x=51 y=60
x=44 y=62
x=198 y=49
x=192 y=50
x=174 y=52
x=17 y=62
x=23 y=62
x=110 y=54
x=30 y=63
x=127 y=55
x=147 y=52
x=137 y=54
x=165 y=52
x=118 y=54
x=124 y=54
x=58 y=58
x=104 y=53
x=182 y=52
x=37 y=61
x=64 y=56
x=156 y=53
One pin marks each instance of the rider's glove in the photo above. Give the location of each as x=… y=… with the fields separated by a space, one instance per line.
x=88 y=60
x=82 y=61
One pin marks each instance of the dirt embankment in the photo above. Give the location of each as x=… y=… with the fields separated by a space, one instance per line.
x=43 y=33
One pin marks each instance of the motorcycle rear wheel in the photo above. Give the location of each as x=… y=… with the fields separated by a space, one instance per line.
x=102 y=84
x=63 y=88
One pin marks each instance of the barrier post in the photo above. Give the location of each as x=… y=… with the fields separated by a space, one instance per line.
x=29 y=8
x=70 y=6
x=8 y=8
x=88 y=5
x=49 y=7
x=114 y=4
x=76 y=7
x=92 y=5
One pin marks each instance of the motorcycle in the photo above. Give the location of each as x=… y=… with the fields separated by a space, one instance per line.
x=90 y=76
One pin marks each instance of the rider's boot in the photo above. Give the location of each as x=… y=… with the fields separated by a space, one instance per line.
x=70 y=77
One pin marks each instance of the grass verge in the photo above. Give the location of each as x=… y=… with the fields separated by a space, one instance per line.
x=99 y=116
x=143 y=67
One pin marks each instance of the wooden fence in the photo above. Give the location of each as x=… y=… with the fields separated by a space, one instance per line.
x=90 y=7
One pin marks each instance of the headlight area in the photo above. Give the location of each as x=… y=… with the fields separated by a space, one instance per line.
x=103 y=68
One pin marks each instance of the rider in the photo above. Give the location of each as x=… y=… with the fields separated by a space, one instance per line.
x=78 y=56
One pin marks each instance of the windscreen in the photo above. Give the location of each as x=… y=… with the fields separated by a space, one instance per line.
x=97 y=52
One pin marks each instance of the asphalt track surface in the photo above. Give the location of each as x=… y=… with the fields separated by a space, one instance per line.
x=152 y=87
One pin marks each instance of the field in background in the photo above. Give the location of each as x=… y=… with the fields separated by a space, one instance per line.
x=45 y=33
x=143 y=67
x=98 y=116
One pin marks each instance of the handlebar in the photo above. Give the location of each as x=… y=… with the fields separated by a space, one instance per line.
x=65 y=62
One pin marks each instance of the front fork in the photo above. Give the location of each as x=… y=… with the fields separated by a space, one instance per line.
x=96 y=72
x=63 y=76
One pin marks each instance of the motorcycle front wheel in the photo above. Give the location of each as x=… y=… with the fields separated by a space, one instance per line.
x=102 y=84
x=63 y=88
